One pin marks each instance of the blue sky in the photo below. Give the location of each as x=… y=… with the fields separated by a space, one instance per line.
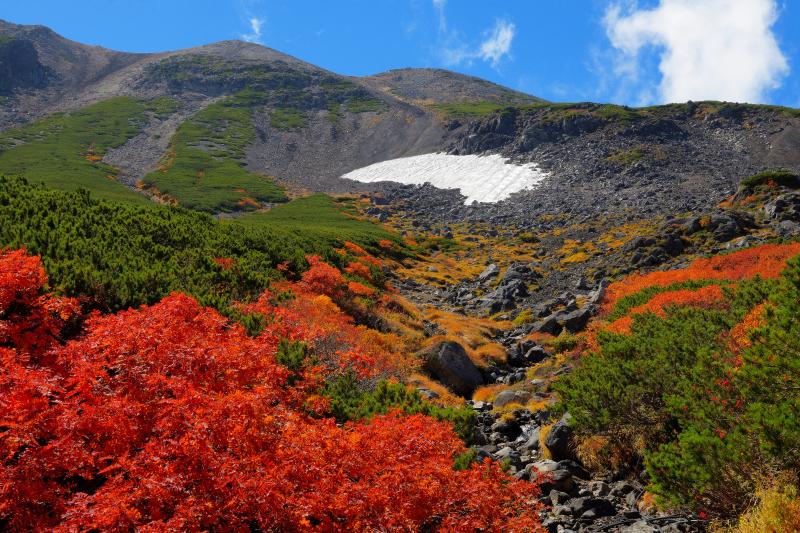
x=622 y=51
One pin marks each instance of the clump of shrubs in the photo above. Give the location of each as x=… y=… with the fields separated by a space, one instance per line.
x=710 y=391
x=783 y=178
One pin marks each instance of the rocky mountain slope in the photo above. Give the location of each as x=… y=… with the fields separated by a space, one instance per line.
x=501 y=294
x=311 y=126
x=430 y=85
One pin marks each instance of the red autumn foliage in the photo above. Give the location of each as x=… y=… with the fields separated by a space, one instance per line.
x=332 y=336
x=359 y=269
x=705 y=297
x=28 y=321
x=225 y=263
x=355 y=249
x=767 y=261
x=740 y=333
x=386 y=244
x=322 y=278
x=359 y=289
x=170 y=417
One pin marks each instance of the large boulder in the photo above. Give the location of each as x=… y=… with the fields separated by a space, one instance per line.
x=591 y=507
x=576 y=321
x=489 y=273
x=449 y=363
x=559 y=440
x=516 y=271
x=510 y=396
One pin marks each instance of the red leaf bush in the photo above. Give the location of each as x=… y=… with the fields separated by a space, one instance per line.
x=170 y=417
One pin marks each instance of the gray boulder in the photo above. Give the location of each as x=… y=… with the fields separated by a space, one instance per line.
x=532 y=444
x=575 y=321
x=516 y=272
x=489 y=273
x=449 y=363
x=784 y=207
x=591 y=507
x=559 y=440
x=508 y=396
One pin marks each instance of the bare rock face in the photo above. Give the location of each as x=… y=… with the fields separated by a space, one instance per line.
x=20 y=66
x=449 y=363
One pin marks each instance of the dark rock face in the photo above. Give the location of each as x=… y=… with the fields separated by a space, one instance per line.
x=449 y=363
x=784 y=207
x=20 y=66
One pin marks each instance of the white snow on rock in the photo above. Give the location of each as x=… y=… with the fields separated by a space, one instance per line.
x=487 y=178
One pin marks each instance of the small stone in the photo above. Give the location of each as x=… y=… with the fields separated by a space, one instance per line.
x=599 y=488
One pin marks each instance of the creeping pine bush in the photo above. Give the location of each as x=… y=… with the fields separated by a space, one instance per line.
x=349 y=400
x=711 y=392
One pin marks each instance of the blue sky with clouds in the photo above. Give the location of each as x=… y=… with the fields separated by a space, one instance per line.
x=622 y=51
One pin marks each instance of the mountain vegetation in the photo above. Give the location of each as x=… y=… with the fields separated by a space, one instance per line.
x=111 y=430
x=203 y=168
x=691 y=372
x=66 y=151
x=119 y=255
x=204 y=328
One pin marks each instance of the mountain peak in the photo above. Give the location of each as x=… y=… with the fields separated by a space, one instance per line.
x=436 y=85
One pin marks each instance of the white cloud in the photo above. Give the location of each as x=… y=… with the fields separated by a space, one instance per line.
x=708 y=49
x=256 y=24
x=439 y=6
x=499 y=42
x=495 y=46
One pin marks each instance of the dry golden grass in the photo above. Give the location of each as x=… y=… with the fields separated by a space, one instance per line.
x=576 y=252
x=578 y=257
x=489 y=353
x=594 y=452
x=509 y=415
x=544 y=431
x=464 y=261
x=647 y=503
x=489 y=392
x=618 y=236
x=445 y=399
x=776 y=510
x=473 y=333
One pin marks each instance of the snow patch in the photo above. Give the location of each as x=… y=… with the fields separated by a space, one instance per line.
x=488 y=178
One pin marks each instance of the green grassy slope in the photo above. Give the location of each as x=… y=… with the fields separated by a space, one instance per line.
x=203 y=169
x=123 y=255
x=64 y=150
x=552 y=112
x=325 y=221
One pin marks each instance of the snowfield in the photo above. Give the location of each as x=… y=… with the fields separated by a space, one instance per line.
x=488 y=178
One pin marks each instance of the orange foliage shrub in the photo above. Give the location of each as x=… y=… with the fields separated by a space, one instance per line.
x=333 y=337
x=170 y=417
x=740 y=333
x=707 y=297
x=766 y=261
x=355 y=249
x=621 y=325
x=225 y=263
x=322 y=278
x=359 y=289
x=359 y=269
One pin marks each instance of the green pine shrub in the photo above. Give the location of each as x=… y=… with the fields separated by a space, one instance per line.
x=351 y=399
x=674 y=394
